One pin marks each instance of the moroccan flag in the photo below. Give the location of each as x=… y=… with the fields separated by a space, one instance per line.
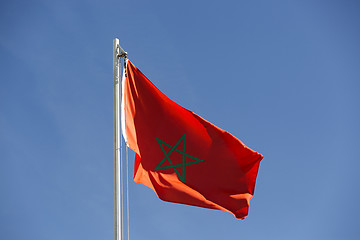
x=181 y=156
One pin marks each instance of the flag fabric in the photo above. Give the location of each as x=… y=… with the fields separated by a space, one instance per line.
x=182 y=157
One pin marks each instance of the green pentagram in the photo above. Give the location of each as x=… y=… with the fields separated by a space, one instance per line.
x=167 y=157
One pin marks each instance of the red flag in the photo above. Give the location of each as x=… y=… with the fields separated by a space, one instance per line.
x=181 y=156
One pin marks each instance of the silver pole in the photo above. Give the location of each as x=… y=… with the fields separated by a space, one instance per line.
x=118 y=52
x=117 y=150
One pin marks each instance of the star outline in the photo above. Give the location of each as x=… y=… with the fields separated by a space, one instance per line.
x=167 y=157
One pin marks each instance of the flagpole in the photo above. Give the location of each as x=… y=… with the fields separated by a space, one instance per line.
x=118 y=52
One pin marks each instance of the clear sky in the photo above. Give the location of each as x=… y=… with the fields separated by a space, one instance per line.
x=282 y=76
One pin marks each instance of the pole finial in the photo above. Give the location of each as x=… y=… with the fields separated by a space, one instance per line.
x=118 y=49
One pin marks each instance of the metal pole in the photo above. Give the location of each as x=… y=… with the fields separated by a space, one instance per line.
x=117 y=141
x=118 y=52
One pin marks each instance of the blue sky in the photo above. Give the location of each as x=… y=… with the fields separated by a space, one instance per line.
x=282 y=76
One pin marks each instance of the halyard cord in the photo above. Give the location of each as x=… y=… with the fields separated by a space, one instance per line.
x=127 y=191
x=127 y=180
x=127 y=172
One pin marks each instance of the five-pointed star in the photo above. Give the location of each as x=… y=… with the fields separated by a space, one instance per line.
x=167 y=157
